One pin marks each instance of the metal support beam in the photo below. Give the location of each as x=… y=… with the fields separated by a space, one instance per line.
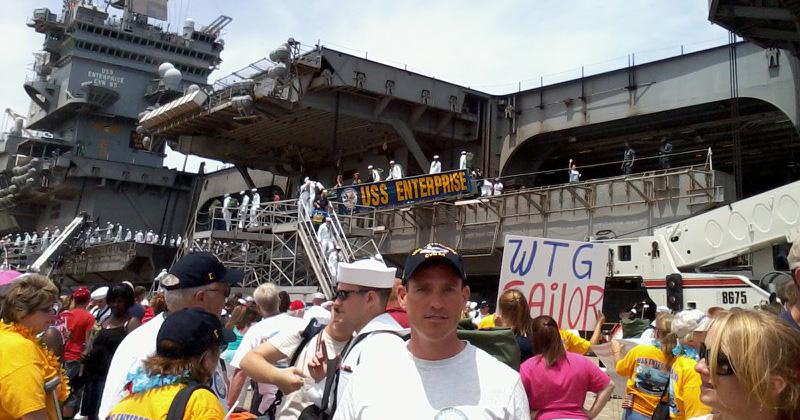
x=416 y=114
x=644 y=196
x=572 y=191
x=408 y=137
x=533 y=203
x=443 y=121
x=380 y=106
x=770 y=13
x=246 y=176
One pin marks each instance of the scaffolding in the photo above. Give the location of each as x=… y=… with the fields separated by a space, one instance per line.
x=278 y=243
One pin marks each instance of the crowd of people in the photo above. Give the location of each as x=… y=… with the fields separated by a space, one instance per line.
x=36 y=242
x=386 y=346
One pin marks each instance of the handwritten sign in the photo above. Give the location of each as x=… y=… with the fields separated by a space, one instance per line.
x=560 y=278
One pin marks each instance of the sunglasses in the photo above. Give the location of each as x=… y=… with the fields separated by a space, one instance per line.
x=226 y=292
x=344 y=294
x=724 y=366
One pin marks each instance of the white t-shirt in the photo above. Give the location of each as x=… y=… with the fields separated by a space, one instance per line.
x=321 y=314
x=469 y=385
x=286 y=342
x=130 y=354
x=259 y=333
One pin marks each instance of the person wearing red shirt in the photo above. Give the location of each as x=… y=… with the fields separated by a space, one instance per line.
x=394 y=309
x=79 y=323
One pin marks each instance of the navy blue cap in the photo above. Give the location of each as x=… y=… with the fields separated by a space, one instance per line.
x=201 y=269
x=434 y=251
x=191 y=332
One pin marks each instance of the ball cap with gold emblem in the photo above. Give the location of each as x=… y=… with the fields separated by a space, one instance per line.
x=190 y=332
x=200 y=269
x=434 y=252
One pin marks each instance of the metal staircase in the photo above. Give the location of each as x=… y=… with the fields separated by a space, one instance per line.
x=280 y=245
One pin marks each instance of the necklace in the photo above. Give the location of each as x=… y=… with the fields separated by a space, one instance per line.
x=51 y=366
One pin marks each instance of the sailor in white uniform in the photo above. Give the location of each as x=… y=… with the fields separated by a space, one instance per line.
x=462 y=161
x=374 y=340
x=436 y=166
x=395 y=171
x=305 y=192
x=227 y=210
x=375 y=173
x=254 y=206
x=325 y=236
x=244 y=207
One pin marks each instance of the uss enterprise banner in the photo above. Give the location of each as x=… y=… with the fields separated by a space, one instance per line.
x=396 y=192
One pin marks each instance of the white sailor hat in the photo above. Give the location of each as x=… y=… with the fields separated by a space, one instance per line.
x=369 y=166
x=241 y=192
x=318 y=295
x=367 y=273
x=100 y=293
x=436 y=156
x=254 y=189
x=463 y=152
x=391 y=162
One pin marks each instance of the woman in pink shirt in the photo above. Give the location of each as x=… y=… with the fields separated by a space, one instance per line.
x=557 y=381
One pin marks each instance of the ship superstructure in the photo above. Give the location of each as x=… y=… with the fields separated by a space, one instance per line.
x=78 y=149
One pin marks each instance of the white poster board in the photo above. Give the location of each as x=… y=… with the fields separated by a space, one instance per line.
x=560 y=278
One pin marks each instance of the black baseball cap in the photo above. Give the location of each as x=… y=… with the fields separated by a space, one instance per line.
x=200 y=269
x=194 y=331
x=434 y=251
x=484 y=304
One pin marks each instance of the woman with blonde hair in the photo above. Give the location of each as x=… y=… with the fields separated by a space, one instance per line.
x=648 y=370
x=750 y=367
x=26 y=365
x=187 y=353
x=513 y=312
x=556 y=381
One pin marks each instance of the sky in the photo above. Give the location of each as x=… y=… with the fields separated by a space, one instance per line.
x=496 y=47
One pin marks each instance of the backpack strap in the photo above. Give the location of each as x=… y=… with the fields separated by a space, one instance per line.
x=178 y=407
x=312 y=329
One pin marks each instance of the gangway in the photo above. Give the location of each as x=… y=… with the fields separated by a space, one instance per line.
x=64 y=242
x=635 y=204
x=278 y=243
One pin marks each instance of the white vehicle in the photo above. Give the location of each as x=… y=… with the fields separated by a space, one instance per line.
x=667 y=266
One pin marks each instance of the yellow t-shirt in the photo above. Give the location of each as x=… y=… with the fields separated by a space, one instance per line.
x=487 y=322
x=684 y=391
x=23 y=373
x=574 y=343
x=648 y=374
x=154 y=404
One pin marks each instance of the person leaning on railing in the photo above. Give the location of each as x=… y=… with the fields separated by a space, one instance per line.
x=25 y=364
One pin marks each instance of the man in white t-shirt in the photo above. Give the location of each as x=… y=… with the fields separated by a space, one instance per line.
x=198 y=280
x=362 y=293
x=316 y=311
x=274 y=322
x=438 y=376
x=294 y=381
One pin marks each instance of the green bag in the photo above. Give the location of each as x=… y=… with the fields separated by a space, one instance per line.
x=500 y=342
